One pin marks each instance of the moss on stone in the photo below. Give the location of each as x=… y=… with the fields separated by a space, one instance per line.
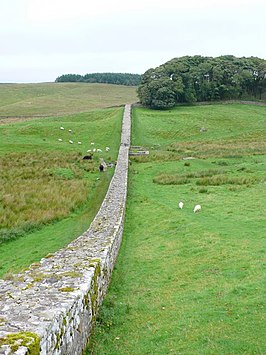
x=95 y=260
x=72 y=248
x=49 y=255
x=66 y=289
x=30 y=340
x=28 y=286
x=35 y=265
x=95 y=289
x=2 y=321
x=8 y=276
x=73 y=274
x=57 y=345
x=38 y=277
x=86 y=301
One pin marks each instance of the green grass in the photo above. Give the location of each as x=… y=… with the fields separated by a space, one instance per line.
x=61 y=98
x=190 y=283
x=18 y=254
x=46 y=188
x=177 y=133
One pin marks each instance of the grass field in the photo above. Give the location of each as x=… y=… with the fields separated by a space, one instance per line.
x=190 y=283
x=60 y=98
x=45 y=181
x=48 y=193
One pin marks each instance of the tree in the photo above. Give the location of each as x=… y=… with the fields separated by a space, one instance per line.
x=108 y=78
x=160 y=89
x=197 y=78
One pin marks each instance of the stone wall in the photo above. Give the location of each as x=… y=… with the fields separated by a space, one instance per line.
x=51 y=307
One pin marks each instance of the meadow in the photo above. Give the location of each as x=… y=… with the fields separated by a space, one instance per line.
x=48 y=193
x=184 y=283
x=188 y=283
x=55 y=99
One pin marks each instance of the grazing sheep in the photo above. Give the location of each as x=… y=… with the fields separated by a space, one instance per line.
x=203 y=129
x=62 y=128
x=197 y=208
x=89 y=150
x=87 y=157
x=181 y=205
x=92 y=143
x=79 y=142
x=107 y=149
x=94 y=150
x=71 y=142
x=99 y=150
x=60 y=140
x=70 y=130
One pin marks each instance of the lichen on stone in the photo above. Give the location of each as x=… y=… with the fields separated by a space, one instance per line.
x=15 y=340
x=66 y=289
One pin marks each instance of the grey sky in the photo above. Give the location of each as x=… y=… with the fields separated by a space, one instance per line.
x=42 y=39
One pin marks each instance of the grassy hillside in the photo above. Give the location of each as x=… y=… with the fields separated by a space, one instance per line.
x=190 y=283
x=48 y=193
x=61 y=98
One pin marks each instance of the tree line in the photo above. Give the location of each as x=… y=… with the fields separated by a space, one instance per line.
x=196 y=78
x=107 y=78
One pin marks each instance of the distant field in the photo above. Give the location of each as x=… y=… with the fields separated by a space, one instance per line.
x=48 y=193
x=190 y=283
x=61 y=98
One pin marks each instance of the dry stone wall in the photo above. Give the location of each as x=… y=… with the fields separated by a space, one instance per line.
x=50 y=308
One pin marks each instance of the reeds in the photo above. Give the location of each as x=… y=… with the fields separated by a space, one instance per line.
x=39 y=188
x=210 y=177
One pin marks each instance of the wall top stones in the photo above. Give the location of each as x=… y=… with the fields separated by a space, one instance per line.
x=51 y=307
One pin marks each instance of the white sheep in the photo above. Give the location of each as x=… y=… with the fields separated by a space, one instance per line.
x=197 y=208
x=62 y=128
x=99 y=150
x=89 y=150
x=107 y=149
x=92 y=143
x=71 y=142
x=79 y=142
x=60 y=140
x=181 y=205
x=70 y=130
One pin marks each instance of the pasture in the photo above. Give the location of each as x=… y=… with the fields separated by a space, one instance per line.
x=190 y=283
x=56 y=99
x=48 y=193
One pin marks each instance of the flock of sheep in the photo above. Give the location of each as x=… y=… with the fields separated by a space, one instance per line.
x=197 y=208
x=94 y=150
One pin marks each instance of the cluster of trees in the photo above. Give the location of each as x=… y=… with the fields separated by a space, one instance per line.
x=107 y=78
x=196 y=78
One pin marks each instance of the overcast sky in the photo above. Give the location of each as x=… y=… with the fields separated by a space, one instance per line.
x=43 y=39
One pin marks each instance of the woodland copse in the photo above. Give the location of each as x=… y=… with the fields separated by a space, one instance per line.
x=196 y=78
x=104 y=78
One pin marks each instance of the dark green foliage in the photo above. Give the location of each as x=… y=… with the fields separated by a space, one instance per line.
x=189 y=79
x=105 y=78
